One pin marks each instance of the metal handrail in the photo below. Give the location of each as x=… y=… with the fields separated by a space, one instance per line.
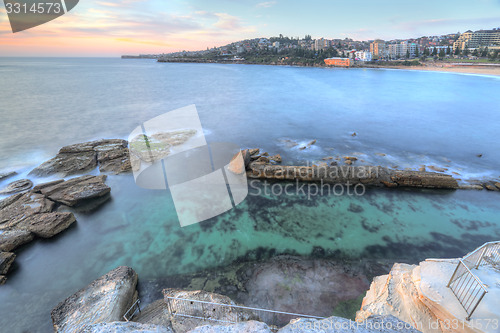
x=183 y=309
x=137 y=307
x=467 y=286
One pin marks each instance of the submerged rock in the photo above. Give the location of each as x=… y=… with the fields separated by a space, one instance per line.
x=103 y=301
x=6 y=260
x=12 y=239
x=77 y=190
x=126 y=327
x=6 y=175
x=17 y=186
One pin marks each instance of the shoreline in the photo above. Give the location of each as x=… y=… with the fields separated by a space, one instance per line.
x=466 y=68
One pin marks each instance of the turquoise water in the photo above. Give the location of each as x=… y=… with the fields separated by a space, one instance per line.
x=412 y=117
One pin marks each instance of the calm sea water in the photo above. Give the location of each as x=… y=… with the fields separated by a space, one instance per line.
x=412 y=117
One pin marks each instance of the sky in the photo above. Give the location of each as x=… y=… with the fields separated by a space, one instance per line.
x=112 y=28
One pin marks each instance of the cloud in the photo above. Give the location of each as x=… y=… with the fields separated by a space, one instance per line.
x=266 y=4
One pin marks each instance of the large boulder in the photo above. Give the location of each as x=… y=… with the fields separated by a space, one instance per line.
x=126 y=327
x=83 y=157
x=12 y=239
x=6 y=260
x=251 y=326
x=17 y=186
x=77 y=190
x=105 y=300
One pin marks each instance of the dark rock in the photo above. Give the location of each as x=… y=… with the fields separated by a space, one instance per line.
x=20 y=206
x=3 y=279
x=254 y=151
x=126 y=327
x=497 y=185
x=479 y=155
x=491 y=187
x=67 y=164
x=276 y=158
x=424 y=179
x=103 y=301
x=17 y=186
x=12 y=239
x=47 y=225
x=38 y=188
x=77 y=190
x=6 y=175
x=6 y=260
x=89 y=146
x=83 y=157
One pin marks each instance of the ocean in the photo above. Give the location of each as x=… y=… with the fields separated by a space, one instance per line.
x=401 y=118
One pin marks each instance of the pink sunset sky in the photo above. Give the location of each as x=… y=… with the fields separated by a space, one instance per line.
x=113 y=28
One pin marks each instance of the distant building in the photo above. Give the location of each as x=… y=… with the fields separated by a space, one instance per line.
x=378 y=49
x=338 y=62
x=276 y=45
x=478 y=38
x=363 y=55
x=322 y=44
x=401 y=50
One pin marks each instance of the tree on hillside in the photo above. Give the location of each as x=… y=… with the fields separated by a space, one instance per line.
x=485 y=52
x=457 y=51
x=416 y=52
x=441 y=53
x=426 y=52
x=407 y=54
x=308 y=37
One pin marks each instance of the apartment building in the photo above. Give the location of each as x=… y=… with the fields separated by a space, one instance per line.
x=480 y=38
x=378 y=49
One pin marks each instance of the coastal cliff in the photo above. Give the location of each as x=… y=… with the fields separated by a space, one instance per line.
x=418 y=294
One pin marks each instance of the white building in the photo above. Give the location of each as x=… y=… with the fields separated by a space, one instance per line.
x=363 y=55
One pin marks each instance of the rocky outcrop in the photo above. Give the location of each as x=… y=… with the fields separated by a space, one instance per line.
x=12 y=239
x=348 y=174
x=17 y=186
x=75 y=191
x=380 y=324
x=250 y=326
x=22 y=206
x=6 y=260
x=46 y=225
x=126 y=327
x=111 y=154
x=418 y=294
x=26 y=216
x=104 y=301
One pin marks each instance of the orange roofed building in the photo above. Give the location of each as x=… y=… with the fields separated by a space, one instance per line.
x=338 y=62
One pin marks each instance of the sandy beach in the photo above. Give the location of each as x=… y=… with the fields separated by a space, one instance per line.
x=466 y=69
